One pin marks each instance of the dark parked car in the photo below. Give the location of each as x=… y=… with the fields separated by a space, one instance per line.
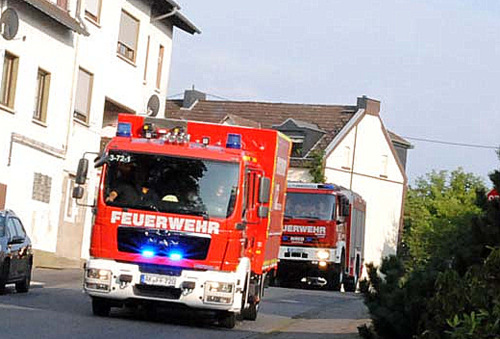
x=16 y=256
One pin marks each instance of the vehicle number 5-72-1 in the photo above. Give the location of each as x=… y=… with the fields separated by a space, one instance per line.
x=119 y=158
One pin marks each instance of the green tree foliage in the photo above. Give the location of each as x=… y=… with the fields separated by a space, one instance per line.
x=446 y=282
x=439 y=207
x=316 y=170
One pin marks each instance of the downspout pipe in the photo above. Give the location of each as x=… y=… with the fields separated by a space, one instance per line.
x=79 y=18
x=166 y=15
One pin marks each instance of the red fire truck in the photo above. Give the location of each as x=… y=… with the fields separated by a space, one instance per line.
x=323 y=237
x=186 y=214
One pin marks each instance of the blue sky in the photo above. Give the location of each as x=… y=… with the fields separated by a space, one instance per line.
x=434 y=65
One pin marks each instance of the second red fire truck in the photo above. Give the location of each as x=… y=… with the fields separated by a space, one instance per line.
x=186 y=216
x=323 y=237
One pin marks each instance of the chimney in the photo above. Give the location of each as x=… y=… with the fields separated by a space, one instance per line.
x=371 y=106
x=191 y=96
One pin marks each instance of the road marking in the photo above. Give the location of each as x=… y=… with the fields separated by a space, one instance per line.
x=21 y=308
x=290 y=301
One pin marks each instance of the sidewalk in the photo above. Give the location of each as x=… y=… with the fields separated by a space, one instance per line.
x=43 y=259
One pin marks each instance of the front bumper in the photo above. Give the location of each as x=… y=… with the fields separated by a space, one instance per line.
x=126 y=282
x=308 y=254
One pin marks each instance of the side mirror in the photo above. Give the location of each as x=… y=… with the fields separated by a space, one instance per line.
x=241 y=226
x=77 y=192
x=263 y=211
x=81 y=173
x=264 y=190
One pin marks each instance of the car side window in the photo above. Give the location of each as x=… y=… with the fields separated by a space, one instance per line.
x=2 y=226
x=19 y=228
x=11 y=228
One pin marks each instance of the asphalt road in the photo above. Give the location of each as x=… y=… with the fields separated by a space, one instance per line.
x=56 y=307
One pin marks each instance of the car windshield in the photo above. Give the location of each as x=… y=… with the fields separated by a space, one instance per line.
x=171 y=184
x=309 y=206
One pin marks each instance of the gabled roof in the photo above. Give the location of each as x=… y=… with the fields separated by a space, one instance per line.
x=170 y=10
x=396 y=139
x=301 y=124
x=239 y=121
x=328 y=118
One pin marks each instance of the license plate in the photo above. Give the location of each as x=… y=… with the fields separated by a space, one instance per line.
x=158 y=280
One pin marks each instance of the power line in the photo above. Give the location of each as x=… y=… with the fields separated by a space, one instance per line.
x=453 y=143
x=174 y=95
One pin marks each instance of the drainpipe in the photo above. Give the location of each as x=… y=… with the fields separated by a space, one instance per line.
x=73 y=80
x=164 y=16
x=77 y=14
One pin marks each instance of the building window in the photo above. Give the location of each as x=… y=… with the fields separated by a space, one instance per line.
x=93 y=10
x=384 y=162
x=63 y=4
x=297 y=146
x=160 y=66
x=71 y=208
x=41 y=96
x=41 y=188
x=9 y=79
x=83 y=95
x=347 y=157
x=127 y=37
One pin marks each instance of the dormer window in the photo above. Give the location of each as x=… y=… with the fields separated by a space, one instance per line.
x=297 y=146
x=304 y=135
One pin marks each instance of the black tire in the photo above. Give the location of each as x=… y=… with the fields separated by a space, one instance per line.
x=227 y=319
x=350 y=284
x=24 y=286
x=334 y=279
x=251 y=312
x=100 y=307
x=4 y=275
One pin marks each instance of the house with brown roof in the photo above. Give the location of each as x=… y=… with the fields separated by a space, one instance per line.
x=358 y=152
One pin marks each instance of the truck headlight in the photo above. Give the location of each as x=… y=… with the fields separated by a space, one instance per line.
x=323 y=254
x=98 y=280
x=215 y=286
x=218 y=292
x=99 y=274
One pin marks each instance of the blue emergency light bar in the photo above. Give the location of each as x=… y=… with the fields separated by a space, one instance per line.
x=233 y=141
x=175 y=256
x=124 y=129
x=148 y=253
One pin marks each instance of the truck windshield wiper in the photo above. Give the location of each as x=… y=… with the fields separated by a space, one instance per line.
x=186 y=210
x=306 y=217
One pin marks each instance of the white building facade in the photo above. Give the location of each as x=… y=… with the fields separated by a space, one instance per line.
x=362 y=157
x=71 y=68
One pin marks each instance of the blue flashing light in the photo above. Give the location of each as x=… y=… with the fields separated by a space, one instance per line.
x=124 y=129
x=233 y=141
x=175 y=256
x=309 y=239
x=327 y=186
x=148 y=253
x=286 y=238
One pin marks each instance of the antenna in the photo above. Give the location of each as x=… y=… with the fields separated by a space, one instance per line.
x=153 y=105
x=10 y=23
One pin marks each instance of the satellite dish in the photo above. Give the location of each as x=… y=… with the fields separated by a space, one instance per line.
x=153 y=105
x=10 y=23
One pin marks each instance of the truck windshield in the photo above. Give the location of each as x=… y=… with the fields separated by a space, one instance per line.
x=171 y=184
x=310 y=206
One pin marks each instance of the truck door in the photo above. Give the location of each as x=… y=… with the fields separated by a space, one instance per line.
x=250 y=212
